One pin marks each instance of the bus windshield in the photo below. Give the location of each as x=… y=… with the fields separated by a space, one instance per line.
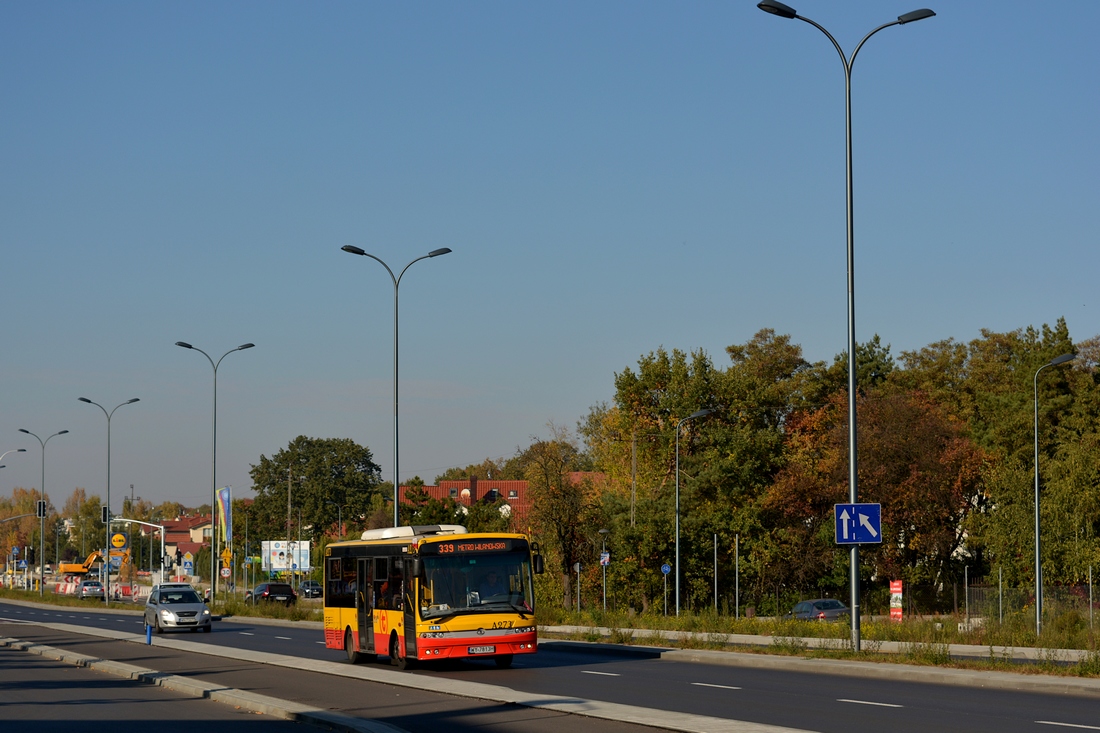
x=482 y=583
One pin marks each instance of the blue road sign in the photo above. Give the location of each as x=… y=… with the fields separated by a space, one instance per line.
x=666 y=568
x=858 y=524
x=22 y=564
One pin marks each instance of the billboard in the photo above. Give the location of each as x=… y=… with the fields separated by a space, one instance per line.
x=278 y=557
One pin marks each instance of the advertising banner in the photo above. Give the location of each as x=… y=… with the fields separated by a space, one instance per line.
x=225 y=514
x=896 y=606
x=278 y=557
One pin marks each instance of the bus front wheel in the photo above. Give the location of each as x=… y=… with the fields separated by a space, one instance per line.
x=349 y=646
x=402 y=663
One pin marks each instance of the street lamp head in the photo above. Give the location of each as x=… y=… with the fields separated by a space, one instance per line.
x=353 y=250
x=130 y=402
x=915 y=15
x=778 y=8
x=440 y=251
x=184 y=344
x=62 y=432
x=605 y=531
x=24 y=430
x=1062 y=359
x=242 y=347
x=85 y=399
x=700 y=413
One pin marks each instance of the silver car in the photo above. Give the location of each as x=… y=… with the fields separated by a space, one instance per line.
x=176 y=608
x=90 y=589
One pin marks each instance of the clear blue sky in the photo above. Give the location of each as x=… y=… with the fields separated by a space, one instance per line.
x=613 y=177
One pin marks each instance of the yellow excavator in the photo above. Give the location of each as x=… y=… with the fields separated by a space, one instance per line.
x=82 y=568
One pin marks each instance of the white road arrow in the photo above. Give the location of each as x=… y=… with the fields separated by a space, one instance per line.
x=865 y=520
x=844 y=524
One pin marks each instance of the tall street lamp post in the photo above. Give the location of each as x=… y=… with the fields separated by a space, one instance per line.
x=692 y=416
x=13 y=450
x=107 y=504
x=339 y=516
x=603 y=551
x=784 y=11
x=396 y=284
x=42 y=490
x=214 y=466
x=1038 y=556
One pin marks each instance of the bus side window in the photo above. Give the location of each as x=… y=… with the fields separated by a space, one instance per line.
x=381 y=573
x=337 y=592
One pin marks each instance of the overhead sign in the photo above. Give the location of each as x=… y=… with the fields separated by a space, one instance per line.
x=858 y=524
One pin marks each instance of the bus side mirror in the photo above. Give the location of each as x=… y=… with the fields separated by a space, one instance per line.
x=415 y=567
x=536 y=564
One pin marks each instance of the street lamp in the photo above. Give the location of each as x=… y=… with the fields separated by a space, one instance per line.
x=1038 y=558
x=107 y=504
x=339 y=516
x=214 y=466
x=396 y=283
x=42 y=490
x=13 y=450
x=785 y=11
x=603 y=539
x=692 y=416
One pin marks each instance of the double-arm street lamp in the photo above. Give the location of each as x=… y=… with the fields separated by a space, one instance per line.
x=785 y=11
x=214 y=466
x=107 y=504
x=1038 y=555
x=42 y=491
x=692 y=416
x=396 y=284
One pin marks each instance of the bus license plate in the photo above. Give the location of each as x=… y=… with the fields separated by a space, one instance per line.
x=482 y=650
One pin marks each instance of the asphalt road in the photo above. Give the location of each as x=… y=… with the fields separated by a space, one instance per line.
x=797 y=700
x=46 y=696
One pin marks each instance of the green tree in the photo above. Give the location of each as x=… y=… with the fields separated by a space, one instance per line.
x=318 y=474
x=557 y=501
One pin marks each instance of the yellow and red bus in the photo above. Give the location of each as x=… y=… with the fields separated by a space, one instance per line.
x=431 y=592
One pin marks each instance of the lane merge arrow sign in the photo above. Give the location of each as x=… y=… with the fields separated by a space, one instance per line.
x=858 y=524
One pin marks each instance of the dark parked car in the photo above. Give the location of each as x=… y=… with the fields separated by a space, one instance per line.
x=90 y=589
x=310 y=589
x=272 y=593
x=820 y=609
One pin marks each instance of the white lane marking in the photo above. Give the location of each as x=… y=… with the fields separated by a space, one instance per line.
x=602 y=674
x=284 y=638
x=720 y=687
x=869 y=702
x=245 y=633
x=1068 y=725
x=318 y=642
